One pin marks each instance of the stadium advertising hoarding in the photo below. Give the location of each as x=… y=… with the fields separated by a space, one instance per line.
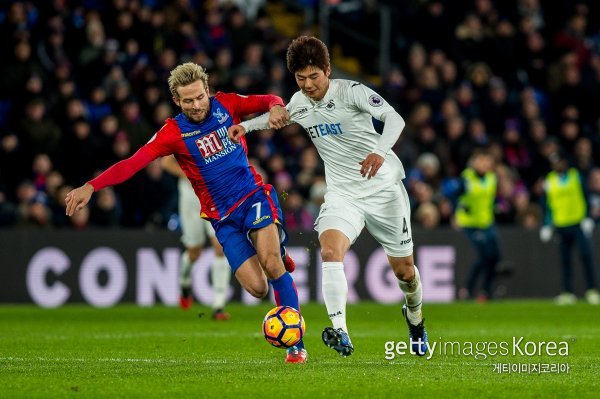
x=104 y=268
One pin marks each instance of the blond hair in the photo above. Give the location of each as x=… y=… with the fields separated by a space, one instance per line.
x=186 y=74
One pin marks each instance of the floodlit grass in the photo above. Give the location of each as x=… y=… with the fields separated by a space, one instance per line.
x=127 y=351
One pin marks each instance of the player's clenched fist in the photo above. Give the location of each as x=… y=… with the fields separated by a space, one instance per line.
x=78 y=198
x=235 y=133
x=278 y=117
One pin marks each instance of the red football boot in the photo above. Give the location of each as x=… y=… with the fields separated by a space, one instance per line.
x=295 y=355
x=185 y=302
x=221 y=315
x=288 y=262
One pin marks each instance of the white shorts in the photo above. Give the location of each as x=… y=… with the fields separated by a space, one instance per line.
x=386 y=215
x=195 y=229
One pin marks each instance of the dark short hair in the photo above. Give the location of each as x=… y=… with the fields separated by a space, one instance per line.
x=557 y=156
x=307 y=51
x=484 y=150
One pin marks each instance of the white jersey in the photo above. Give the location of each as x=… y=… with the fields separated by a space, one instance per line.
x=341 y=127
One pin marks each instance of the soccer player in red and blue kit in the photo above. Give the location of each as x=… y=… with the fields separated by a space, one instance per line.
x=244 y=211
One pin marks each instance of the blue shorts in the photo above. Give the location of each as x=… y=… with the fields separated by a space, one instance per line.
x=257 y=211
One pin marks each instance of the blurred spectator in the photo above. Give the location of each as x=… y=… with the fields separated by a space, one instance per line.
x=98 y=106
x=476 y=195
x=530 y=217
x=427 y=171
x=296 y=216
x=465 y=98
x=41 y=168
x=457 y=145
x=427 y=215
x=566 y=211
x=583 y=156
x=31 y=207
x=435 y=26
x=162 y=111
x=239 y=31
x=394 y=89
x=253 y=68
x=134 y=124
x=13 y=163
x=496 y=108
x=310 y=166
x=39 y=133
x=508 y=187
x=515 y=151
x=106 y=210
x=80 y=221
x=150 y=101
x=479 y=75
x=20 y=67
x=222 y=75
x=108 y=130
x=79 y=152
x=505 y=44
x=54 y=181
x=478 y=134
x=472 y=40
x=594 y=194
x=317 y=196
x=8 y=212
x=534 y=59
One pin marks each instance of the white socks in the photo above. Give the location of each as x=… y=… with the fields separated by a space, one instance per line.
x=413 y=292
x=185 y=270
x=335 y=293
x=220 y=274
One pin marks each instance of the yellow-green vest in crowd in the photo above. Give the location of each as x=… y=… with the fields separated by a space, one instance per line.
x=565 y=198
x=476 y=206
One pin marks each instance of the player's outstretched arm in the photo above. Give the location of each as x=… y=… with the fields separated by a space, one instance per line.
x=78 y=198
x=276 y=118
x=118 y=173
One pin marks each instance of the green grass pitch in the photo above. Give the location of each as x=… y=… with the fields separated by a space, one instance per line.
x=159 y=352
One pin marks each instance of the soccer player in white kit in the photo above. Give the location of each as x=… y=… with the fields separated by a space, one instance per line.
x=364 y=183
x=195 y=230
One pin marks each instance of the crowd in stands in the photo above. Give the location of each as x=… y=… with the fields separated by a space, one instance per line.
x=83 y=85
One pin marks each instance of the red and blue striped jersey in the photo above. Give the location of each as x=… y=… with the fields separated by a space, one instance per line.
x=217 y=168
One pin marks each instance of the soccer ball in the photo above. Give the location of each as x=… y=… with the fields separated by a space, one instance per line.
x=283 y=327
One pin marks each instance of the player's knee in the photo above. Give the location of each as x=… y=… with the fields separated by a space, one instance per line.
x=260 y=293
x=272 y=265
x=193 y=254
x=258 y=290
x=405 y=271
x=330 y=254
